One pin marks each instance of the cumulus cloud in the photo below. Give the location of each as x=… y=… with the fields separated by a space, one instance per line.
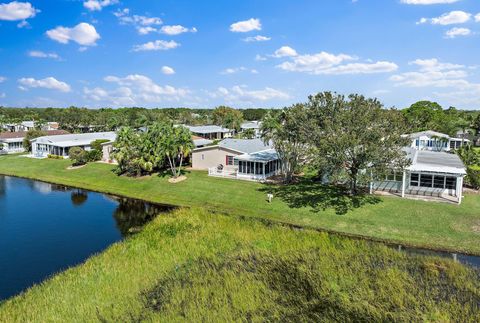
x=134 y=89
x=17 y=11
x=450 y=18
x=285 y=51
x=246 y=25
x=258 y=38
x=40 y=54
x=143 y=24
x=233 y=70
x=97 y=5
x=455 y=32
x=477 y=17
x=167 y=70
x=83 y=34
x=176 y=30
x=428 y=2
x=156 y=45
x=241 y=94
x=327 y=63
x=46 y=83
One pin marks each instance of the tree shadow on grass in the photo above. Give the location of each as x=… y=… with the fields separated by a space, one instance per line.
x=319 y=197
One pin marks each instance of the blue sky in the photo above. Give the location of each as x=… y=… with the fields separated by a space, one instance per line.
x=249 y=53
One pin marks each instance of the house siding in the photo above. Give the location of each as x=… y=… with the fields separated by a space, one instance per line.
x=212 y=157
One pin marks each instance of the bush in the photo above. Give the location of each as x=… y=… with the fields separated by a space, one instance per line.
x=54 y=156
x=94 y=155
x=97 y=144
x=78 y=156
x=473 y=176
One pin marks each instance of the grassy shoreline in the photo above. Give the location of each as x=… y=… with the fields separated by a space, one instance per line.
x=392 y=220
x=192 y=265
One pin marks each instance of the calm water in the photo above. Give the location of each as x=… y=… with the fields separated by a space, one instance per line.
x=47 y=228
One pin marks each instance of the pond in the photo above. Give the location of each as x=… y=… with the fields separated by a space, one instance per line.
x=46 y=228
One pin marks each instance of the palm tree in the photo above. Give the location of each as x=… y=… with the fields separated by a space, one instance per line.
x=464 y=126
x=178 y=144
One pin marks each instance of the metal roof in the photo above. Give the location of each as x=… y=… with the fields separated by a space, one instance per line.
x=428 y=133
x=260 y=156
x=201 y=142
x=434 y=161
x=251 y=125
x=83 y=139
x=207 y=129
x=246 y=146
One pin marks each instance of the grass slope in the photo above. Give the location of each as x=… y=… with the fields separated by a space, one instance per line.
x=194 y=266
x=426 y=224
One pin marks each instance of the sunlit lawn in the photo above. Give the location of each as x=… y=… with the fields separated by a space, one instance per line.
x=309 y=204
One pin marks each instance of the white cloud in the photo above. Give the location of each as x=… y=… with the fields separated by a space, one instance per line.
x=143 y=24
x=246 y=25
x=234 y=70
x=46 y=83
x=2 y=79
x=40 y=54
x=134 y=89
x=477 y=17
x=260 y=58
x=167 y=70
x=176 y=30
x=450 y=18
x=97 y=5
x=240 y=94
x=428 y=2
x=83 y=34
x=156 y=45
x=327 y=63
x=285 y=51
x=17 y=11
x=455 y=32
x=257 y=38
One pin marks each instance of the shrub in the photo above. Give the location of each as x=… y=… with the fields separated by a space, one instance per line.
x=97 y=144
x=94 y=155
x=54 y=156
x=473 y=176
x=78 y=156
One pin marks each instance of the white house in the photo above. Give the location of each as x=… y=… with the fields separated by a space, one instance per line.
x=431 y=174
x=248 y=159
x=435 y=141
x=12 y=142
x=255 y=125
x=211 y=132
x=60 y=145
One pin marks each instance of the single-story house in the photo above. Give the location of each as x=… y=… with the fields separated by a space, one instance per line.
x=255 y=125
x=249 y=159
x=16 y=127
x=435 y=141
x=199 y=142
x=211 y=132
x=60 y=145
x=12 y=142
x=430 y=174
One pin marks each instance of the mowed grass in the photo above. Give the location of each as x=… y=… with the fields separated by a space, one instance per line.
x=195 y=266
x=307 y=204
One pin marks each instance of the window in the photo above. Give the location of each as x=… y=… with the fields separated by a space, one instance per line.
x=439 y=181
x=426 y=180
x=450 y=183
x=203 y=157
x=414 y=179
x=229 y=160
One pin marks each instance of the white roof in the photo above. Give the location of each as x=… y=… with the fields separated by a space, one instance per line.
x=251 y=125
x=435 y=162
x=72 y=140
x=427 y=133
x=246 y=146
x=29 y=124
x=208 y=129
x=201 y=142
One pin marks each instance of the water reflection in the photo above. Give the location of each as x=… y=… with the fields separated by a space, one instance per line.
x=78 y=197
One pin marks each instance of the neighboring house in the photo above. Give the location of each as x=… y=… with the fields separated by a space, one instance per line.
x=430 y=174
x=435 y=141
x=255 y=125
x=211 y=132
x=12 y=142
x=247 y=159
x=200 y=142
x=17 y=127
x=51 y=126
x=60 y=145
x=107 y=149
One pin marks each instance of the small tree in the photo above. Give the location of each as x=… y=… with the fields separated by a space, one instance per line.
x=78 y=156
x=177 y=143
x=31 y=134
x=227 y=117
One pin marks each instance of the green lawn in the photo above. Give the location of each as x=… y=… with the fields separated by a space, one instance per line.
x=193 y=266
x=426 y=224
